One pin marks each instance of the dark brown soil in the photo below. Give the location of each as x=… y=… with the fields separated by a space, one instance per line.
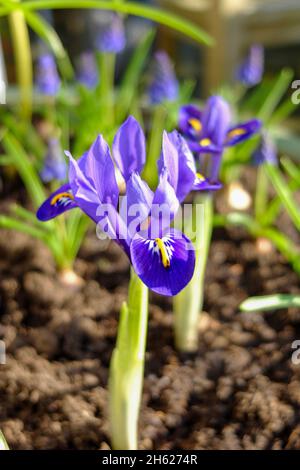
x=240 y=391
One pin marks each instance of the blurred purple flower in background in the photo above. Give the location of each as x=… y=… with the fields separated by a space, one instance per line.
x=112 y=39
x=47 y=78
x=250 y=72
x=209 y=133
x=87 y=70
x=55 y=167
x=266 y=152
x=164 y=85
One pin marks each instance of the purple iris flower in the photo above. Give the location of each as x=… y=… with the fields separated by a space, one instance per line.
x=47 y=78
x=162 y=257
x=55 y=167
x=164 y=85
x=208 y=133
x=250 y=72
x=87 y=70
x=266 y=152
x=112 y=39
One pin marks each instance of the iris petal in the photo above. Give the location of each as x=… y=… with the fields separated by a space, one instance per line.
x=242 y=132
x=136 y=206
x=216 y=120
x=83 y=190
x=129 y=149
x=203 y=146
x=177 y=158
x=60 y=201
x=164 y=206
x=204 y=184
x=97 y=166
x=190 y=121
x=165 y=266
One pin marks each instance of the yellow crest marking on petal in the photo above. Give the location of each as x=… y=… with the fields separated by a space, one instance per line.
x=200 y=177
x=236 y=132
x=205 y=142
x=196 y=124
x=59 y=196
x=163 y=253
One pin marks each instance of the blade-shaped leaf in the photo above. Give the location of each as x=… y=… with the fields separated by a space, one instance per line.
x=270 y=302
x=130 y=81
x=14 y=149
x=131 y=8
x=43 y=29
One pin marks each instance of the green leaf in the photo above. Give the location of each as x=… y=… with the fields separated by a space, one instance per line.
x=107 y=63
x=284 y=193
x=5 y=160
x=131 y=8
x=288 y=143
x=281 y=241
x=27 y=216
x=275 y=206
x=291 y=169
x=14 y=224
x=77 y=225
x=43 y=29
x=25 y=168
x=283 y=244
x=270 y=302
x=283 y=111
x=129 y=85
x=257 y=96
x=25 y=132
x=264 y=99
x=23 y=60
x=276 y=93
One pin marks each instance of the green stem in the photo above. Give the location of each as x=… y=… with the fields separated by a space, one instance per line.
x=127 y=367
x=107 y=64
x=158 y=124
x=23 y=60
x=189 y=302
x=261 y=193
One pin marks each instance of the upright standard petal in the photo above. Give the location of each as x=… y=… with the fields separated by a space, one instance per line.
x=60 y=201
x=129 y=148
x=242 y=132
x=164 y=206
x=136 y=205
x=165 y=264
x=97 y=165
x=177 y=158
x=216 y=119
x=83 y=190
